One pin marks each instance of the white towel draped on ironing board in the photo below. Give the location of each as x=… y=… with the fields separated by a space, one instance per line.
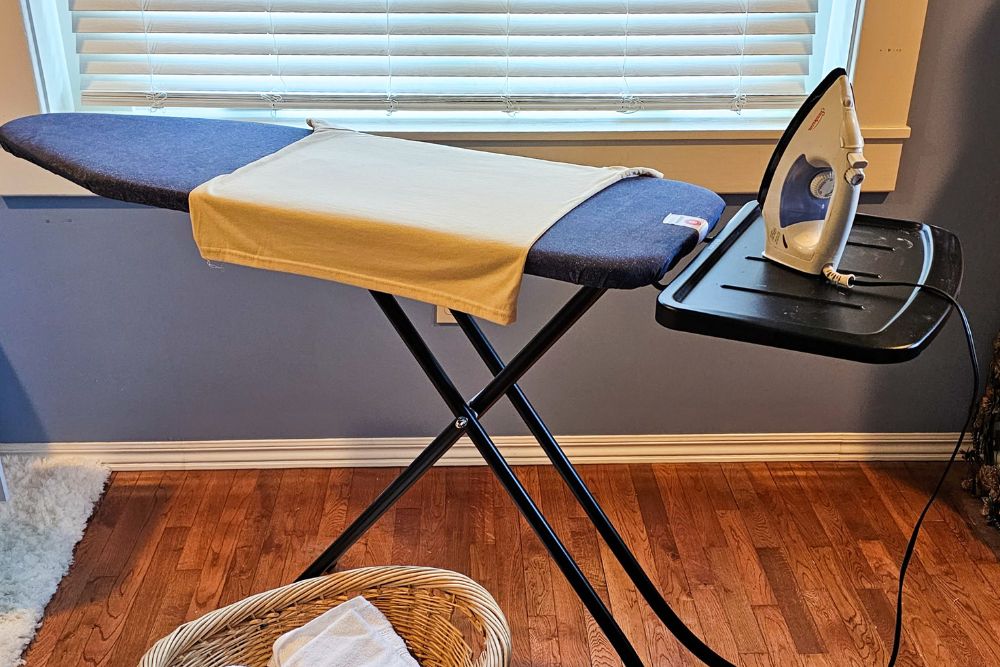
x=445 y=225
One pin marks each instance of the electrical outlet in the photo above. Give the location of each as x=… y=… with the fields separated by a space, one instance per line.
x=443 y=316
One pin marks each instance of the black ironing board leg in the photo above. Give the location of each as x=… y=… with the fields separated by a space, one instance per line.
x=539 y=344
x=584 y=497
x=467 y=421
x=466 y=418
x=427 y=458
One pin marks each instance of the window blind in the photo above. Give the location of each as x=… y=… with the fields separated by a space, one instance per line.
x=445 y=54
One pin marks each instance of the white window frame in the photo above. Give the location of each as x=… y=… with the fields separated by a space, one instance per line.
x=721 y=150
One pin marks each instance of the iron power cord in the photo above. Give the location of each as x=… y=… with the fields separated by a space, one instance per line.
x=849 y=280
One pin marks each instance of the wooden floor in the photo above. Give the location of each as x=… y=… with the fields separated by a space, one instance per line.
x=779 y=564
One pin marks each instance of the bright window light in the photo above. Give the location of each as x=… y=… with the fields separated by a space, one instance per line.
x=547 y=61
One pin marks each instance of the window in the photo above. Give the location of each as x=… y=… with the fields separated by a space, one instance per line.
x=458 y=55
x=622 y=84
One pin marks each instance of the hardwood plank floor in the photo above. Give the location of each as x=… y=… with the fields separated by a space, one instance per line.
x=774 y=564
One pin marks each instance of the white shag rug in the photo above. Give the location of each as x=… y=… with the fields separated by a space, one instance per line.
x=51 y=501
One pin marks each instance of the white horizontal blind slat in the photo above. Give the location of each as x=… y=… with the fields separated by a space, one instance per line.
x=456 y=6
x=442 y=24
x=455 y=45
x=443 y=86
x=471 y=66
x=547 y=54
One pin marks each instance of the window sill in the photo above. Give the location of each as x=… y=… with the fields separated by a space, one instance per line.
x=719 y=150
x=727 y=160
x=716 y=125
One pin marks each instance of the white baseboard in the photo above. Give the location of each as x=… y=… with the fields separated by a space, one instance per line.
x=519 y=450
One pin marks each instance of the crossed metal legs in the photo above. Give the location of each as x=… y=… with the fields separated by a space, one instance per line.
x=467 y=422
x=483 y=401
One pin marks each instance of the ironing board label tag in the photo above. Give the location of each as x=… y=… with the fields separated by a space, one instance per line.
x=700 y=225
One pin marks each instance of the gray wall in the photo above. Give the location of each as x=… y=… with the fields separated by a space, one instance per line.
x=112 y=328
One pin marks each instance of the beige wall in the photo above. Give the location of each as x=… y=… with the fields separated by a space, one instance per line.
x=20 y=98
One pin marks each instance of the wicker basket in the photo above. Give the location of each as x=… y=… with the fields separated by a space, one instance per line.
x=434 y=611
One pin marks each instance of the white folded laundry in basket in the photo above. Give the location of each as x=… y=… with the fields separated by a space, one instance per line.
x=352 y=634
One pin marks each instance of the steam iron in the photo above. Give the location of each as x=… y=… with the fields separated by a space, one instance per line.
x=810 y=190
x=806 y=210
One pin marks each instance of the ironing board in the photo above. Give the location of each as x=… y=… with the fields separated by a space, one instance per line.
x=616 y=239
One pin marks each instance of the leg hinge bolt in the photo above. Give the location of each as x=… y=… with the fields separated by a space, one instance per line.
x=461 y=422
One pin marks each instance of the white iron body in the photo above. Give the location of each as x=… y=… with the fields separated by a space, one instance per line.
x=812 y=194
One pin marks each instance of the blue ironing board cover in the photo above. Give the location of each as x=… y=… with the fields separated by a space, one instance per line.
x=615 y=239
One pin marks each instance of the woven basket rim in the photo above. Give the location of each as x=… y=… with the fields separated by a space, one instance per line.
x=470 y=594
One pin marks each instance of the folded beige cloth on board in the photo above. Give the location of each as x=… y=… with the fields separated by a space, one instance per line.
x=446 y=225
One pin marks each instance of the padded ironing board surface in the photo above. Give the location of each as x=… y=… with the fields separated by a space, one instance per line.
x=615 y=239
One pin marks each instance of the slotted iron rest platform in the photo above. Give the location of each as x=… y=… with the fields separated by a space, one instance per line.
x=731 y=291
